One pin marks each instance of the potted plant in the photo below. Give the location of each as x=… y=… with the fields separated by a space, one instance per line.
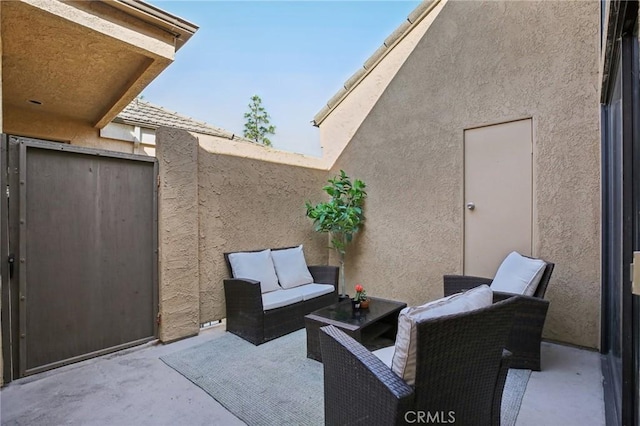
x=360 y=300
x=341 y=216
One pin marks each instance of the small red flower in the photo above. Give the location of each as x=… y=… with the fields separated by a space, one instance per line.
x=359 y=288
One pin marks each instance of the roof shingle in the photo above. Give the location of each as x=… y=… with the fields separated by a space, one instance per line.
x=145 y=114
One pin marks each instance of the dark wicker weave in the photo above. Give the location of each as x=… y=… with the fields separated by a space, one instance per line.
x=372 y=327
x=247 y=318
x=526 y=334
x=461 y=372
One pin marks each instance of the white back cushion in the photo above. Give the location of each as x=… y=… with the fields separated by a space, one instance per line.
x=404 y=356
x=291 y=267
x=255 y=266
x=518 y=274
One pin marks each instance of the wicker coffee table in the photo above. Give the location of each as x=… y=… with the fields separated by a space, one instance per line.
x=374 y=327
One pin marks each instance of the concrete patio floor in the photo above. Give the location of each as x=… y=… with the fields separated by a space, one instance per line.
x=134 y=387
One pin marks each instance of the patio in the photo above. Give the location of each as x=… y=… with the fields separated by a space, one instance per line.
x=136 y=387
x=412 y=153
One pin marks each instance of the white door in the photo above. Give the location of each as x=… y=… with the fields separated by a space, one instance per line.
x=498 y=187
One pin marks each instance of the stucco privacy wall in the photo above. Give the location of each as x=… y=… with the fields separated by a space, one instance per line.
x=248 y=204
x=482 y=63
x=178 y=272
x=212 y=202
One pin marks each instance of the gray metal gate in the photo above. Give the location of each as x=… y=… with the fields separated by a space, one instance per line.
x=82 y=252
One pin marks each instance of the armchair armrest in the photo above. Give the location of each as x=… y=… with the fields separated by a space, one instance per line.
x=323 y=274
x=358 y=387
x=502 y=379
x=528 y=323
x=529 y=307
x=458 y=283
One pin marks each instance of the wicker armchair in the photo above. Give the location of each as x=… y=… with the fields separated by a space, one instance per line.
x=526 y=335
x=247 y=318
x=461 y=372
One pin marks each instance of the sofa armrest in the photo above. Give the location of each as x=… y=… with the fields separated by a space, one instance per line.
x=458 y=283
x=325 y=274
x=245 y=313
x=243 y=294
x=349 y=368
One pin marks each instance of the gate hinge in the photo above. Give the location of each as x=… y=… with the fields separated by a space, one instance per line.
x=158 y=318
x=635 y=274
x=158 y=181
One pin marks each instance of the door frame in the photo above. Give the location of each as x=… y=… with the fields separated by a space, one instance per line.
x=621 y=50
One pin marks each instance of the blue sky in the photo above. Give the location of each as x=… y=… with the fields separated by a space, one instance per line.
x=294 y=54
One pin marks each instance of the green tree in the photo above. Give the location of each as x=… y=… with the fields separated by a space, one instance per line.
x=257 y=126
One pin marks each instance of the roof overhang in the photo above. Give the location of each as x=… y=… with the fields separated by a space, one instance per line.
x=84 y=60
x=180 y=28
x=413 y=20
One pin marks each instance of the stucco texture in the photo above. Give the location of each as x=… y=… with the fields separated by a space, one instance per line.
x=178 y=234
x=102 y=56
x=30 y=123
x=220 y=196
x=249 y=204
x=482 y=63
x=339 y=126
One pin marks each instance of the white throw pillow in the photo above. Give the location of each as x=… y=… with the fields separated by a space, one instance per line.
x=518 y=274
x=291 y=267
x=255 y=266
x=404 y=356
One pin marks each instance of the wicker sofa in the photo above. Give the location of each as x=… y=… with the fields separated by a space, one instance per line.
x=249 y=318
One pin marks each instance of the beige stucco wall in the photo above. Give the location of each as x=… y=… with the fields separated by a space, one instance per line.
x=248 y=204
x=178 y=273
x=50 y=46
x=106 y=20
x=114 y=23
x=482 y=63
x=339 y=127
x=26 y=122
x=210 y=203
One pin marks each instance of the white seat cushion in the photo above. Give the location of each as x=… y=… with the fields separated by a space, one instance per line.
x=280 y=298
x=404 y=357
x=291 y=267
x=518 y=274
x=255 y=266
x=385 y=355
x=309 y=291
